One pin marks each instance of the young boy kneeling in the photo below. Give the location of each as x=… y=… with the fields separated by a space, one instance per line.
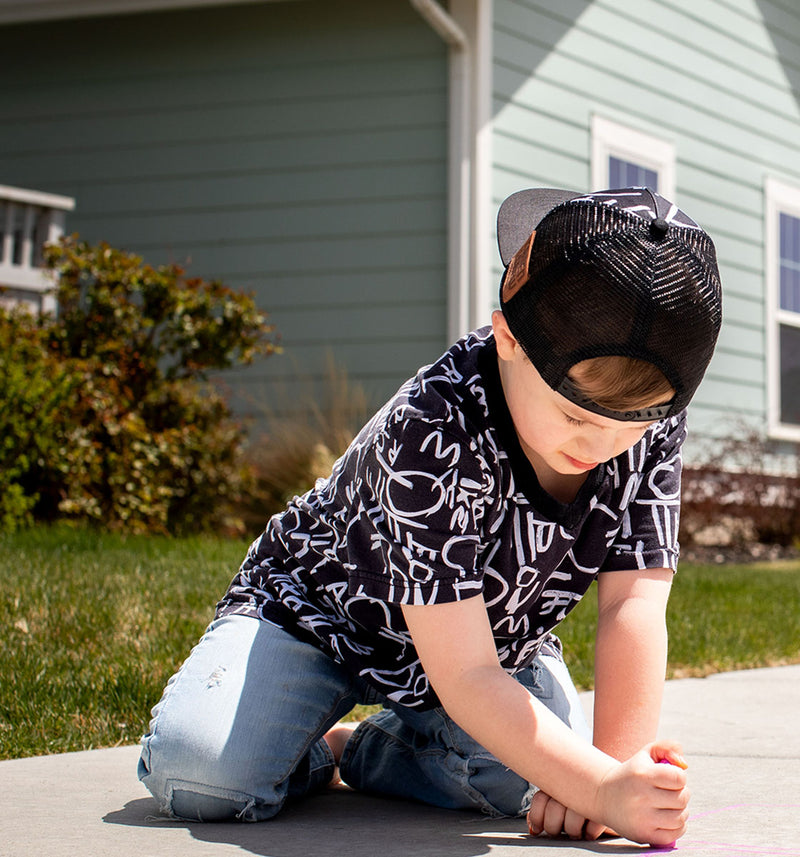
x=464 y=522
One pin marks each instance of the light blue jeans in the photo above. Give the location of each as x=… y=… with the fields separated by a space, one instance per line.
x=238 y=731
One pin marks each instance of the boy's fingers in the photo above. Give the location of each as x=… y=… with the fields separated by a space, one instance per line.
x=554 y=818
x=673 y=822
x=575 y=825
x=546 y=815
x=668 y=752
x=672 y=785
x=594 y=830
x=536 y=813
x=673 y=801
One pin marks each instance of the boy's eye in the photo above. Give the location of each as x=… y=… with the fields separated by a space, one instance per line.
x=572 y=421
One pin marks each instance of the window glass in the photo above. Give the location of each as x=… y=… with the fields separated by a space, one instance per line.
x=782 y=275
x=790 y=263
x=790 y=374
x=18 y=231
x=626 y=156
x=628 y=174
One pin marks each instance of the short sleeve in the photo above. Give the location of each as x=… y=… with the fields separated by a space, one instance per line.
x=415 y=534
x=648 y=536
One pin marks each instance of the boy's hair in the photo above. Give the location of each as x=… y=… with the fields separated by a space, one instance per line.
x=622 y=383
x=621 y=273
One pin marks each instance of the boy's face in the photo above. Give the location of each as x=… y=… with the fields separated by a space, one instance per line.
x=559 y=437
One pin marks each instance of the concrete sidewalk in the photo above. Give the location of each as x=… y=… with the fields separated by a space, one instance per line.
x=739 y=731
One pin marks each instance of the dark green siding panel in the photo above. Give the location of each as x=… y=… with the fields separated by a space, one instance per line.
x=376 y=324
x=263 y=79
x=298 y=150
x=274 y=223
x=400 y=182
x=414 y=286
x=309 y=258
x=281 y=388
x=265 y=122
x=158 y=161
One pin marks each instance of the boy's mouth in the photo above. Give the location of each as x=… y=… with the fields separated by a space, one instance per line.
x=581 y=465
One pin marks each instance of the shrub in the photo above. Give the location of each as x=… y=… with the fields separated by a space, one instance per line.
x=305 y=435
x=35 y=388
x=732 y=493
x=137 y=438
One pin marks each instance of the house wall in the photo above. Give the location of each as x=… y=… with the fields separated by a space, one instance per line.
x=717 y=78
x=294 y=149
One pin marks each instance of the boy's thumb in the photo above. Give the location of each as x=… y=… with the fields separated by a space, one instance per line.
x=668 y=752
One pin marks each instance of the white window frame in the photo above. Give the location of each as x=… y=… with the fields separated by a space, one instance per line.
x=611 y=138
x=779 y=198
x=25 y=280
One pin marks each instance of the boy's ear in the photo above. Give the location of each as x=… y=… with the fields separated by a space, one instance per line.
x=503 y=337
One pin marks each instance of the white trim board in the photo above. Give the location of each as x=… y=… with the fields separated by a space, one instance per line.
x=779 y=197
x=630 y=144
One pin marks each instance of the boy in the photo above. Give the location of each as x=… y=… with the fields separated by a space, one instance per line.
x=463 y=523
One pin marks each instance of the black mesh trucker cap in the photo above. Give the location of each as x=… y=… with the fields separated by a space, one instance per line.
x=617 y=272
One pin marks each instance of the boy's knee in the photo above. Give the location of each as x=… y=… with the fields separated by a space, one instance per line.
x=204 y=802
x=202 y=787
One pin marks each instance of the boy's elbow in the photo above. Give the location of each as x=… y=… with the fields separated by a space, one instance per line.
x=470 y=690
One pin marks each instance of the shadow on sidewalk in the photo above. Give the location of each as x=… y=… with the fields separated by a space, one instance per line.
x=342 y=822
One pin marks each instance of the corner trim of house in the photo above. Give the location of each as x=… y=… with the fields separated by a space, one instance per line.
x=463 y=29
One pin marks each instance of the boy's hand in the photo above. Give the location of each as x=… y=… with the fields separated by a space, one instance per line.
x=643 y=801
x=548 y=816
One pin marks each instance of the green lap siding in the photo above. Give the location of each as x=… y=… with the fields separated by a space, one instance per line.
x=720 y=79
x=296 y=149
x=299 y=149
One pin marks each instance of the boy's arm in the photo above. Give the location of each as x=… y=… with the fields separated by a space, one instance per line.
x=630 y=664
x=642 y=800
x=630 y=658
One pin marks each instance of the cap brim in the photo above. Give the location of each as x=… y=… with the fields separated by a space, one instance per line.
x=522 y=212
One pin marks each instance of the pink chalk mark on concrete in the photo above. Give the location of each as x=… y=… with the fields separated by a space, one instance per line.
x=738 y=849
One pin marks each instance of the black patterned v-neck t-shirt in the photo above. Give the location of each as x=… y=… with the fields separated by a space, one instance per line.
x=435 y=501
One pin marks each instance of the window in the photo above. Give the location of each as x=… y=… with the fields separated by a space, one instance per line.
x=782 y=261
x=626 y=157
x=626 y=174
x=28 y=219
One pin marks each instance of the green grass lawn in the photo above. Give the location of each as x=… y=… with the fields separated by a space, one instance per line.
x=92 y=626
